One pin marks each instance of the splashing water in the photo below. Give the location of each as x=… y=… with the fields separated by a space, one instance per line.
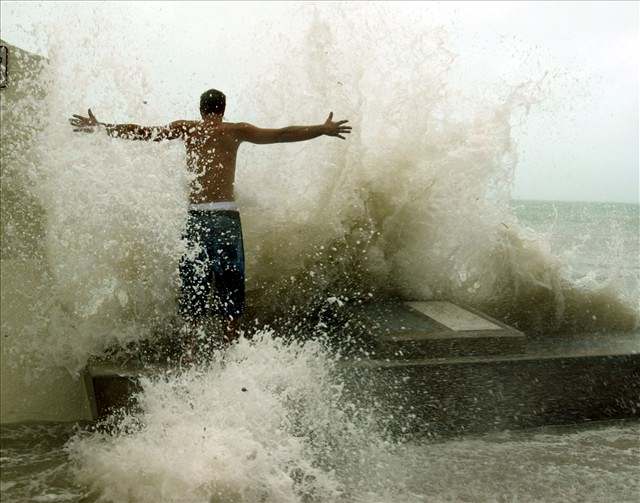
x=272 y=422
x=264 y=422
x=416 y=204
x=599 y=464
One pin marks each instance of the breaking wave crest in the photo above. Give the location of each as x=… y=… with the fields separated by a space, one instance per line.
x=415 y=205
x=264 y=422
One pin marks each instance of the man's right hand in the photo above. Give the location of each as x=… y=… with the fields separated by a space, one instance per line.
x=336 y=128
x=84 y=124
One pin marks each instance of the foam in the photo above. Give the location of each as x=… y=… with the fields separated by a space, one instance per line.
x=415 y=204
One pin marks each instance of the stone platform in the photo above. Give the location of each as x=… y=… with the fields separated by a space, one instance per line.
x=441 y=369
x=568 y=380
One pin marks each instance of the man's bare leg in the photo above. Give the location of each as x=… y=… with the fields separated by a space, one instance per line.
x=192 y=331
x=232 y=332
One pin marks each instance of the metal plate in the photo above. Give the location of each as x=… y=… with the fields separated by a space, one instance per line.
x=452 y=316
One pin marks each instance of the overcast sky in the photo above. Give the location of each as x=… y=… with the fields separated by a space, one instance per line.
x=583 y=145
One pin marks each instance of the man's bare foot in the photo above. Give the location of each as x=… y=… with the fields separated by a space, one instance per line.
x=232 y=332
x=190 y=333
x=187 y=359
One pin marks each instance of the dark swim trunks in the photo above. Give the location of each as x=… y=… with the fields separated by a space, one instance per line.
x=215 y=254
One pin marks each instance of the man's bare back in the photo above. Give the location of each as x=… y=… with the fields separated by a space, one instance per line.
x=212 y=150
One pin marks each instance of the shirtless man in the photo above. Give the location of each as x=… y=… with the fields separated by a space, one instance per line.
x=213 y=232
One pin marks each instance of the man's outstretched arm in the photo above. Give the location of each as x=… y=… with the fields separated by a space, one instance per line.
x=253 y=134
x=129 y=131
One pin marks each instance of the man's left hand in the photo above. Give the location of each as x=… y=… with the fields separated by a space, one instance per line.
x=84 y=124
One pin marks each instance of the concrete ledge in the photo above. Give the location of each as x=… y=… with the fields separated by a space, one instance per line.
x=480 y=375
x=447 y=344
x=572 y=380
x=473 y=395
x=111 y=387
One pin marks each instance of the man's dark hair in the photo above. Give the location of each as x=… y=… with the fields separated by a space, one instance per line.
x=212 y=102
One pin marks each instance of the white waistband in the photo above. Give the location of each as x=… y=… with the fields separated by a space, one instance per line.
x=219 y=205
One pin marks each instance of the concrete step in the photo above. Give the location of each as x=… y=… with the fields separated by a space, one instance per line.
x=479 y=375
x=566 y=380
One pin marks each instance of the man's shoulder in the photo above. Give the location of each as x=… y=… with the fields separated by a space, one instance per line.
x=183 y=124
x=236 y=125
x=238 y=130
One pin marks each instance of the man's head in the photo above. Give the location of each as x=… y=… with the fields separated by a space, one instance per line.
x=212 y=102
